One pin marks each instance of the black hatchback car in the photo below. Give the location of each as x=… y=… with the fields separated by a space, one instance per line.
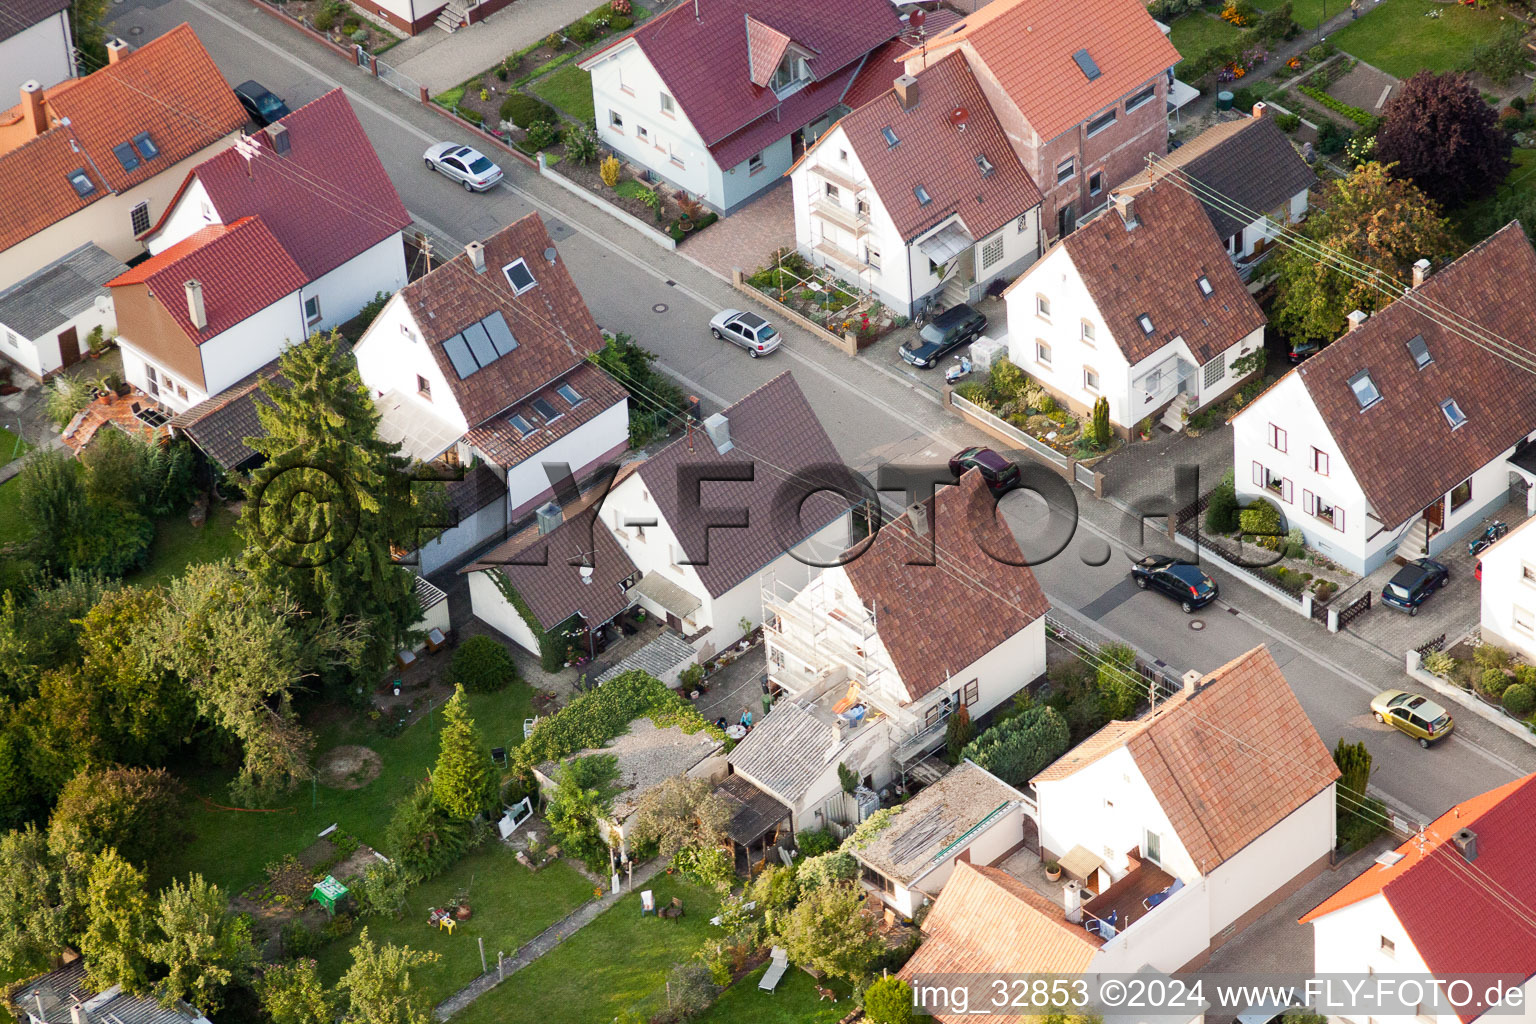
x=1414 y=583
x=264 y=106
x=997 y=473
x=1183 y=581
x=942 y=335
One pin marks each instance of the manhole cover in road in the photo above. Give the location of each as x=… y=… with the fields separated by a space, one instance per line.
x=137 y=30
x=1197 y=624
x=660 y=307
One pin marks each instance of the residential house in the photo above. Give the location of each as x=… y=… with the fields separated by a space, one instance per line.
x=47 y=317
x=1139 y=306
x=1080 y=91
x=66 y=996
x=1326 y=443
x=315 y=181
x=720 y=97
x=1248 y=210
x=866 y=679
x=207 y=312
x=1508 y=577
x=36 y=44
x=1450 y=902
x=484 y=361
x=968 y=816
x=918 y=191
x=1221 y=800
x=96 y=159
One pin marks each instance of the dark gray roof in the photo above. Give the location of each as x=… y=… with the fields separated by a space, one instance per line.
x=219 y=425
x=786 y=752
x=1249 y=161
x=51 y=995
x=37 y=305
x=475 y=490
x=753 y=812
x=657 y=658
x=21 y=15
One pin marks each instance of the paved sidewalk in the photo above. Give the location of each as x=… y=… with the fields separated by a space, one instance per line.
x=542 y=943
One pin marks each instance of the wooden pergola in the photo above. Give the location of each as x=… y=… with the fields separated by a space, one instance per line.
x=757 y=820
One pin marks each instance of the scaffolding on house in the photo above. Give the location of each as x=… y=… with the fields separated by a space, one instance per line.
x=824 y=187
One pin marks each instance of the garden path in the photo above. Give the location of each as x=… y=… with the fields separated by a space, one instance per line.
x=542 y=943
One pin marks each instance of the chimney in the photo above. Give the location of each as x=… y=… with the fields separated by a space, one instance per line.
x=77 y=1014
x=196 y=311
x=549 y=517
x=906 y=92
x=1072 y=901
x=1125 y=206
x=1420 y=272
x=32 y=110
x=476 y=253
x=917 y=515
x=1259 y=108
x=279 y=136
x=1356 y=320
x=1466 y=842
x=117 y=50
x=1191 y=682
x=719 y=430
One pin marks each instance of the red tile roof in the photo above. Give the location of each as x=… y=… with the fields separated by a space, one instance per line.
x=169 y=88
x=933 y=153
x=1153 y=270
x=1493 y=286
x=552 y=325
x=327 y=199
x=766 y=47
x=504 y=445
x=704 y=61
x=1028 y=46
x=1490 y=930
x=885 y=65
x=985 y=921
x=981 y=600
x=241 y=266
x=799 y=109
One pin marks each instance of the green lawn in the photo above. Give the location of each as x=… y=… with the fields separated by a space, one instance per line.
x=619 y=961
x=511 y=904
x=1522 y=178
x=1194 y=33
x=1397 y=38
x=10 y=446
x=1308 y=13
x=568 y=88
x=232 y=847
x=179 y=544
x=793 y=1001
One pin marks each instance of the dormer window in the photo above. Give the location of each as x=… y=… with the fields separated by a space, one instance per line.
x=1366 y=392
x=1145 y=323
x=81 y=182
x=984 y=165
x=923 y=198
x=1205 y=285
x=519 y=276
x=890 y=135
x=1419 y=349
x=792 y=71
x=1453 y=414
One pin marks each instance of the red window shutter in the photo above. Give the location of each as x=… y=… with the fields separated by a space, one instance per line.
x=1258 y=475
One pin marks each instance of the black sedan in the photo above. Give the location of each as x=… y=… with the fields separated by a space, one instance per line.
x=1183 y=581
x=264 y=106
x=998 y=473
x=1414 y=583
x=942 y=335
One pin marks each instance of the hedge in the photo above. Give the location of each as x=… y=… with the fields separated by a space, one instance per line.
x=1355 y=114
x=598 y=716
x=1017 y=749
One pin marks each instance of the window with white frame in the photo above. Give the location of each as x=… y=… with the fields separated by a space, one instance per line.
x=1318 y=507
x=992 y=252
x=1095 y=183
x=1141 y=98
x=1319 y=462
x=1277 y=438
x=312 y=309
x=1042 y=307
x=1088 y=333
x=140 y=218
x=872 y=257
x=1091 y=379
x=668 y=105
x=792 y=70
x=1066 y=170
x=754 y=162
x=1042 y=353
x=615 y=120
x=1528 y=574
x=642 y=133
x=1101 y=122
x=1271 y=481
x=1152 y=848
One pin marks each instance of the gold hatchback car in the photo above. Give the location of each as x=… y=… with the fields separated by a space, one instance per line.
x=1417 y=716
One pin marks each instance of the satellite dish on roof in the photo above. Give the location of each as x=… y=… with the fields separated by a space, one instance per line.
x=586 y=574
x=958 y=117
x=917 y=18
x=549 y=254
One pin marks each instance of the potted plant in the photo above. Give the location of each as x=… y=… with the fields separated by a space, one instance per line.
x=1146 y=429
x=1052 y=870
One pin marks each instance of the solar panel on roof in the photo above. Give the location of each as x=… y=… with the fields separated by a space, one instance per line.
x=501 y=335
x=458 y=354
x=480 y=344
x=1086 y=65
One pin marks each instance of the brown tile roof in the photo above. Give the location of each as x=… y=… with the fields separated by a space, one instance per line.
x=327 y=199
x=933 y=153
x=169 y=88
x=504 y=445
x=775 y=431
x=799 y=108
x=1492 y=286
x=1232 y=761
x=1153 y=269
x=219 y=425
x=554 y=329
x=1223 y=157
x=979 y=600
x=242 y=267
x=552 y=588
x=19 y=15
x=1107 y=740
x=1028 y=45
x=985 y=921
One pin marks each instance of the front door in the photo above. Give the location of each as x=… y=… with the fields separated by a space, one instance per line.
x=69 y=347
x=675 y=622
x=796 y=144
x=1436 y=514
x=1066 y=220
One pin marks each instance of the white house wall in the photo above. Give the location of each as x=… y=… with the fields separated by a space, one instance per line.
x=42 y=52
x=344 y=291
x=388 y=359
x=654 y=548
x=527 y=482
x=435 y=617
x=40 y=356
x=192 y=212
x=1168 y=937
x=491 y=607
x=1248 y=877
x=452 y=544
x=1508 y=597
x=134 y=363
x=626 y=82
x=738 y=184
x=745 y=600
x=252 y=343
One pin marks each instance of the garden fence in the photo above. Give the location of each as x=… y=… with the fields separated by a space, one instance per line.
x=1356 y=608
x=1013 y=433
x=397 y=79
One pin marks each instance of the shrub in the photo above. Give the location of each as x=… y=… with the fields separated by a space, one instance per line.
x=581 y=145
x=580 y=32
x=620 y=6
x=1440 y=664
x=541 y=135
x=481 y=665
x=816 y=872
x=1503 y=57
x=815 y=842
x=1017 y=749
x=66 y=396
x=1260 y=520
x=1526 y=675
x=554 y=40
x=299 y=942
x=135 y=810
x=888 y=1001
x=472 y=116
x=608 y=170
x=324 y=19
x=1520 y=700
x=621 y=23
x=1221 y=513
x=1491 y=656
x=1493 y=682
x=1518 y=103
x=1288 y=123
x=525 y=111
x=422 y=837
x=502 y=73
x=1330 y=138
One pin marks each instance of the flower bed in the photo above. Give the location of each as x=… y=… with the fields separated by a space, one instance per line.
x=342 y=23
x=827 y=301
x=1018 y=399
x=1242 y=536
x=1494 y=676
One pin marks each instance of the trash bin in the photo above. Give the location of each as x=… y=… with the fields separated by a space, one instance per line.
x=1224 y=100
x=767 y=705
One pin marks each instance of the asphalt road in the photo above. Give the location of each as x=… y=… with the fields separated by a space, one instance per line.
x=873 y=413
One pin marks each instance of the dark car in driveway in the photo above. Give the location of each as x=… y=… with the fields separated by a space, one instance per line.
x=942 y=335
x=1183 y=581
x=1414 y=583
x=264 y=106
x=998 y=473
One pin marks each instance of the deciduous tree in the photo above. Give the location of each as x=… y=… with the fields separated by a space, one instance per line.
x=827 y=931
x=118 y=925
x=379 y=987
x=202 y=946
x=136 y=811
x=42 y=899
x=682 y=813
x=294 y=994
x=1438 y=133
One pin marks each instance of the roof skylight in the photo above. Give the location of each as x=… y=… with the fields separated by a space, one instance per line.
x=923 y=198
x=1366 y=392
x=1086 y=65
x=1453 y=414
x=890 y=135
x=1419 y=349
